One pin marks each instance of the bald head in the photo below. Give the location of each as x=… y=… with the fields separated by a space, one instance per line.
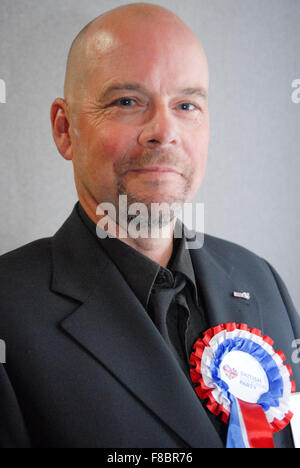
x=120 y=26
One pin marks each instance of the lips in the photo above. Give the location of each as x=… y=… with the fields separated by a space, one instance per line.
x=155 y=170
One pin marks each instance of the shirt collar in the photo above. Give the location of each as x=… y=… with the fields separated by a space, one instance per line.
x=131 y=263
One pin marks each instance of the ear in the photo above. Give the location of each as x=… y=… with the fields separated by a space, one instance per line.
x=60 y=128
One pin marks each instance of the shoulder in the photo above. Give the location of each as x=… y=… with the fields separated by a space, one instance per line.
x=248 y=268
x=223 y=246
x=25 y=266
x=27 y=253
x=243 y=265
x=234 y=254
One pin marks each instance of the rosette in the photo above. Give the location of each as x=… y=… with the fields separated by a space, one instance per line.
x=245 y=382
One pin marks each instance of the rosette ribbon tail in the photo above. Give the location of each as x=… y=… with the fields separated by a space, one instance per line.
x=248 y=426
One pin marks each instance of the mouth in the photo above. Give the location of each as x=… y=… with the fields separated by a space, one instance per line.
x=155 y=170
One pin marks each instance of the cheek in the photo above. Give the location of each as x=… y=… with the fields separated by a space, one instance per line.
x=198 y=147
x=100 y=145
x=98 y=149
x=109 y=143
x=199 y=151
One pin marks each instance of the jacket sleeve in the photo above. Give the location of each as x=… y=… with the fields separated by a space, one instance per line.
x=291 y=310
x=13 y=433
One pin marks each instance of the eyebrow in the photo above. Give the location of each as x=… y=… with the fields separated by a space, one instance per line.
x=192 y=91
x=110 y=89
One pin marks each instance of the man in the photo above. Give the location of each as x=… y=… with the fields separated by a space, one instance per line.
x=99 y=331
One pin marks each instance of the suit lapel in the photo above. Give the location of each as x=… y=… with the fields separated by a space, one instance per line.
x=113 y=326
x=216 y=282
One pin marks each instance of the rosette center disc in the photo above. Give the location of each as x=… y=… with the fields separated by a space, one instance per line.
x=244 y=376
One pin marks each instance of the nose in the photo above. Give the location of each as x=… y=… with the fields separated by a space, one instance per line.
x=159 y=130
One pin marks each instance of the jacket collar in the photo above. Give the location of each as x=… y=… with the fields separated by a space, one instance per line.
x=217 y=281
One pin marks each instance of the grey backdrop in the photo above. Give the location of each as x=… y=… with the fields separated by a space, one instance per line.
x=251 y=191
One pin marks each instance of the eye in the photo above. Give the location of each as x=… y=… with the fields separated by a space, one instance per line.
x=187 y=106
x=125 y=102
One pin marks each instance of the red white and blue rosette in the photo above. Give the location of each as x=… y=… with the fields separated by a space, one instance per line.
x=245 y=381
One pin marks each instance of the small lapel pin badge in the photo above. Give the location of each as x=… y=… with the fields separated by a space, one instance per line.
x=242 y=295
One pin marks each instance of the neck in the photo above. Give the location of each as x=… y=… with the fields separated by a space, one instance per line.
x=158 y=250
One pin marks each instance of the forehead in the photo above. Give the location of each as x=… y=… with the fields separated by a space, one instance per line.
x=157 y=60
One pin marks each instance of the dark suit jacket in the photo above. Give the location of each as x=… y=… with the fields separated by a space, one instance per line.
x=86 y=367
